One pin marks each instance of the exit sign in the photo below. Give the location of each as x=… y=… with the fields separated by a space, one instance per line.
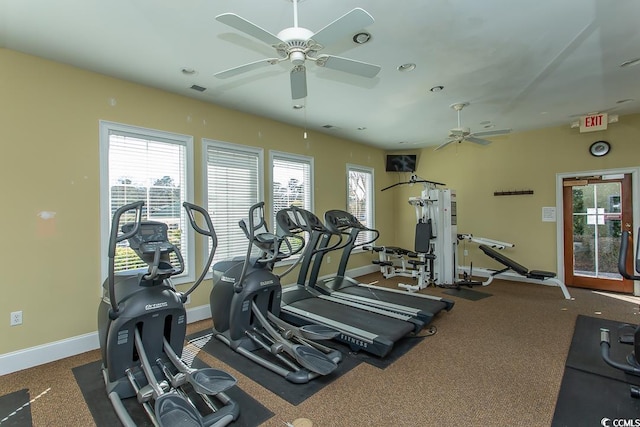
x=593 y=122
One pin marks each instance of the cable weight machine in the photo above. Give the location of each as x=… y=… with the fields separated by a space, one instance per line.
x=434 y=258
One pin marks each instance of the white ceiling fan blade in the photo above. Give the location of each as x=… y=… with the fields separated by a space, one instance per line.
x=347 y=25
x=445 y=144
x=298 y=82
x=477 y=140
x=246 y=67
x=247 y=27
x=492 y=132
x=352 y=66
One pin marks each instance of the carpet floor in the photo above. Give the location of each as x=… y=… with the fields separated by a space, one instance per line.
x=495 y=361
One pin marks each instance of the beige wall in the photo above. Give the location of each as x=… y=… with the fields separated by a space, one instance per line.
x=522 y=161
x=49 y=117
x=50 y=162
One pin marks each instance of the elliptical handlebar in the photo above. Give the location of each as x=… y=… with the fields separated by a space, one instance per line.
x=114 y=239
x=269 y=243
x=622 y=257
x=208 y=232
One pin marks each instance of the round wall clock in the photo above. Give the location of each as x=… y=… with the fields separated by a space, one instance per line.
x=599 y=148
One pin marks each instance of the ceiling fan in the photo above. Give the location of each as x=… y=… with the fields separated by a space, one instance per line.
x=298 y=44
x=459 y=134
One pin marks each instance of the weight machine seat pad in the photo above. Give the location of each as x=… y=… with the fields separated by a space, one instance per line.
x=513 y=265
x=396 y=250
x=541 y=275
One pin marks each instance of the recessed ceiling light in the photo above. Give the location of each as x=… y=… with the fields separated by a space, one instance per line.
x=486 y=122
x=188 y=71
x=489 y=126
x=409 y=66
x=362 y=37
x=624 y=101
x=630 y=62
x=438 y=88
x=361 y=128
x=298 y=107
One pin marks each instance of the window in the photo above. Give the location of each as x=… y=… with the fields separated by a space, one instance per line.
x=232 y=185
x=152 y=166
x=291 y=183
x=360 y=197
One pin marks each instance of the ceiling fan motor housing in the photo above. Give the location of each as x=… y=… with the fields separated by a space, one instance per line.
x=456 y=132
x=296 y=43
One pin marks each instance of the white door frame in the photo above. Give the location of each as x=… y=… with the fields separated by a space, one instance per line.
x=635 y=176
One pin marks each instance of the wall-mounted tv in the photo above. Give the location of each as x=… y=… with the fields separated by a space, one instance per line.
x=401 y=163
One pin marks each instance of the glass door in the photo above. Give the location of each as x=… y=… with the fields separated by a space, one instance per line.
x=596 y=210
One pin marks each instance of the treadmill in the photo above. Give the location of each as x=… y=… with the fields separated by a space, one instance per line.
x=420 y=306
x=361 y=328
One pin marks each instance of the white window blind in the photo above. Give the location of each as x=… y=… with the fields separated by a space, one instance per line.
x=233 y=185
x=150 y=166
x=360 y=197
x=292 y=183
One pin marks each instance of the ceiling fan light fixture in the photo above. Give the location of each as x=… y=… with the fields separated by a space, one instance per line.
x=362 y=37
x=297 y=58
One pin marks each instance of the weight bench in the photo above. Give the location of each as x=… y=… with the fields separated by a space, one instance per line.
x=540 y=275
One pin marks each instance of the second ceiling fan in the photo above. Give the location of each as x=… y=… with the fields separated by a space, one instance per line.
x=459 y=134
x=297 y=44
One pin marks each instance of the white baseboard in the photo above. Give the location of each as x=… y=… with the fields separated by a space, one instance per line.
x=50 y=352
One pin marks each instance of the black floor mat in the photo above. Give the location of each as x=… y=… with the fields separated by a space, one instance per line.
x=89 y=379
x=15 y=410
x=584 y=353
x=292 y=393
x=593 y=393
x=469 y=294
x=586 y=399
x=398 y=350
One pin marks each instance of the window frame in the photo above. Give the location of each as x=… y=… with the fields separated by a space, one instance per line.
x=297 y=158
x=106 y=129
x=258 y=151
x=350 y=167
x=300 y=158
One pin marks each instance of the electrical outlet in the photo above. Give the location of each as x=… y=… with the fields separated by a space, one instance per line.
x=328 y=260
x=466 y=252
x=16 y=318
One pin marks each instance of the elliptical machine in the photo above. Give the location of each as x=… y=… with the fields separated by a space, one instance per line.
x=245 y=308
x=142 y=326
x=627 y=334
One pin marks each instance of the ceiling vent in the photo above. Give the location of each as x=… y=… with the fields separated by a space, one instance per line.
x=198 y=88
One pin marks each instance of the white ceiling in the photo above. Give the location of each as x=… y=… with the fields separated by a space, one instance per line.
x=520 y=65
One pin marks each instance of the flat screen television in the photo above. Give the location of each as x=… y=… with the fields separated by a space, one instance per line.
x=401 y=163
